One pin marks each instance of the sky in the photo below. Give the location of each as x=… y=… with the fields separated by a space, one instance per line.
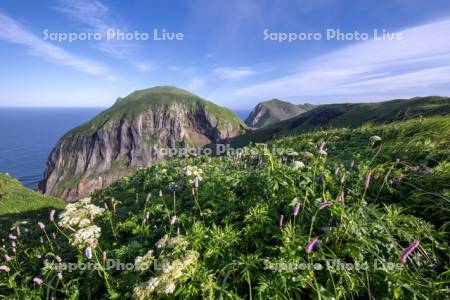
x=231 y=52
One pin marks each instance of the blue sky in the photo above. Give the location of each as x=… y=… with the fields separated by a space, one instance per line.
x=223 y=56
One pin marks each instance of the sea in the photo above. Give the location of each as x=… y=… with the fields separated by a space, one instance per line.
x=28 y=135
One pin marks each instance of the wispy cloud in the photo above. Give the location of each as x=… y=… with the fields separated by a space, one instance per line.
x=417 y=65
x=197 y=84
x=95 y=16
x=233 y=73
x=14 y=32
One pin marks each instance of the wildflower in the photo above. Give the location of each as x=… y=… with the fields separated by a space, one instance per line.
x=342 y=180
x=281 y=220
x=41 y=239
x=325 y=204
x=173 y=219
x=41 y=225
x=311 y=244
x=18 y=230
x=341 y=197
x=58 y=258
x=104 y=256
x=408 y=250
x=38 y=280
x=7 y=257
x=319 y=178
x=336 y=171
x=12 y=237
x=148 y=197
x=323 y=152
x=296 y=209
x=52 y=215
x=147 y=216
x=38 y=256
x=196 y=182
x=143 y=263
x=322 y=146
x=160 y=194
x=367 y=181
x=297 y=165
x=54 y=235
x=87 y=236
x=375 y=139
x=352 y=164
x=60 y=276
x=88 y=252
x=5 y=268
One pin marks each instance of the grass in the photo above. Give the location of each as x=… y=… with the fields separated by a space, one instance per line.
x=160 y=98
x=18 y=202
x=223 y=237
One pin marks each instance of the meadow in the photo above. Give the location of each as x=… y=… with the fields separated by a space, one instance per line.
x=348 y=214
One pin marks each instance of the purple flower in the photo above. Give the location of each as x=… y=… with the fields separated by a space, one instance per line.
x=4 y=268
x=296 y=209
x=325 y=204
x=281 y=220
x=41 y=225
x=88 y=253
x=38 y=280
x=408 y=250
x=367 y=181
x=312 y=242
x=319 y=178
x=52 y=215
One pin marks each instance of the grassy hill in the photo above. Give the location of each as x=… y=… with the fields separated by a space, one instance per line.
x=374 y=200
x=271 y=112
x=20 y=203
x=350 y=115
x=143 y=100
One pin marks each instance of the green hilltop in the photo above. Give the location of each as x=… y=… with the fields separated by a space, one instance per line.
x=350 y=115
x=155 y=97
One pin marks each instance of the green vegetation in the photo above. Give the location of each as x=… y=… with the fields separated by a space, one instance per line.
x=350 y=115
x=155 y=98
x=18 y=202
x=373 y=202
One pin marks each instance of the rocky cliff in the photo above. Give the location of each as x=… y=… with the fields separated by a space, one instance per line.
x=131 y=134
x=272 y=111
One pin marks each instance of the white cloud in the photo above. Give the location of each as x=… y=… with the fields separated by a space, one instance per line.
x=196 y=84
x=233 y=73
x=13 y=32
x=97 y=17
x=417 y=65
x=145 y=67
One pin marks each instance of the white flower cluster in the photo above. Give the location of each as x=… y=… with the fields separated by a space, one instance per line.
x=297 y=165
x=193 y=171
x=143 y=263
x=79 y=217
x=87 y=236
x=79 y=214
x=164 y=283
x=166 y=242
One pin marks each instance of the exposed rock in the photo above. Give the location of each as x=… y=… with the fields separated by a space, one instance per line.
x=130 y=135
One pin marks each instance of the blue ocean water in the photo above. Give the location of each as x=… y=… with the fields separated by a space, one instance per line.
x=27 y=136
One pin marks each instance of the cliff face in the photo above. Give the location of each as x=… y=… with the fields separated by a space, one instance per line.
x=131 y=135
x=273 y=111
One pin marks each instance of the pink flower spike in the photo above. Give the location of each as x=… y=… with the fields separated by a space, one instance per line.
x=88 y=252
x=281 y=221
x=60 y=276
x=38 y=280
x=12 y=237
x=311 y=244
x=52 y=215
x=41 y=225
x=296 y=209
x=367 y=181
x=7 y=257
x=173 y=219
x=325 y=204
x=408 y=250
x=5 y=268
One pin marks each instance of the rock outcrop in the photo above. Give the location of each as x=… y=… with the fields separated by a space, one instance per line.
x=272 y=111
x=132 y=134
